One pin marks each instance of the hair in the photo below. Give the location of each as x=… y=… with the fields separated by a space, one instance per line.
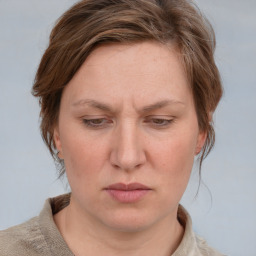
x=90 y=23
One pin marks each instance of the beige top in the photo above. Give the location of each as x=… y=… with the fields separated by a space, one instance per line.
x=40 y=236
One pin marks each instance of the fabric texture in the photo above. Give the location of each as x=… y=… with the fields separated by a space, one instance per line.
x=40 y=236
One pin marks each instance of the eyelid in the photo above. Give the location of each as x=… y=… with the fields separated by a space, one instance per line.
x=88 y=121
x=158 y=121
x=161 y=121
x=162 y=117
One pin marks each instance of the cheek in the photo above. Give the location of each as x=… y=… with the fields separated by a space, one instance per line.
x=175 y=153
x=174 y=159
x=84 y=157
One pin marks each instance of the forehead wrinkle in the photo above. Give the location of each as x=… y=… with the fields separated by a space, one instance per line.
x=105 y=107
x=159 y=105
x=94 y=104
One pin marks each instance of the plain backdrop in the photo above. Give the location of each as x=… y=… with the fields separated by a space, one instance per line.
x=224 y=210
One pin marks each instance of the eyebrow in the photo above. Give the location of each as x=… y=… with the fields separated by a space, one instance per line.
x=93 y=104
x=107 y=108
x=160 y=104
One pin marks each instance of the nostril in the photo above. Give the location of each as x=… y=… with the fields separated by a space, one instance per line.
x=116 y=166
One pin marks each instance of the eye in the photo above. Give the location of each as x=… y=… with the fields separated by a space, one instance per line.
x=159 y=122
x=96 y=122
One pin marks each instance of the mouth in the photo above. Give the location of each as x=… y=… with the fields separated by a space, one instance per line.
x=127 y=193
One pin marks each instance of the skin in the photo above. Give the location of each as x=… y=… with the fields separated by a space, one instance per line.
x=145 y=131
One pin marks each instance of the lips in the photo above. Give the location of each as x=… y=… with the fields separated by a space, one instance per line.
x=127 y=193
x=128 y=187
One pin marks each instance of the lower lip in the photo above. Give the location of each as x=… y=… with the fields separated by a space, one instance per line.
x=127 y=196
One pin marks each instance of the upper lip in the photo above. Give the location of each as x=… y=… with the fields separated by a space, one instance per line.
x=128 y=187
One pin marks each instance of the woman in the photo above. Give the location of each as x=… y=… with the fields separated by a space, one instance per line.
x=127 y=91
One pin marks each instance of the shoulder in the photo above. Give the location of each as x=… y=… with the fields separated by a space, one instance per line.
x=24 y=239
x=39 y=235
x=205 y=249
x=192 y=244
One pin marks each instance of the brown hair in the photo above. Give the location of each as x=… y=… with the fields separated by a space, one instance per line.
x=92 y=22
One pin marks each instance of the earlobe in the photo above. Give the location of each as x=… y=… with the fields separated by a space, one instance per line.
x=57 y=142
x=200 y=142
x=202 y=136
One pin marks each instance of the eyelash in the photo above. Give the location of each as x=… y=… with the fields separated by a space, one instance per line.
x=89 y=122
x=156 y=122
x=161 y=122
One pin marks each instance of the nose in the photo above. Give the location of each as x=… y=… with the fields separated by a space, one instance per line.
x=127 y=148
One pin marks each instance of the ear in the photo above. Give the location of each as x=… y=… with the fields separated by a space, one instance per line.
x=57 y=142
x=200 y=142
x=202 y=136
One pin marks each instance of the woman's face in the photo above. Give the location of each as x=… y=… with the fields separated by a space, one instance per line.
x=128 y=117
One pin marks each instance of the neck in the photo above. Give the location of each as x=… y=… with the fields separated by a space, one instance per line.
x=86 y=236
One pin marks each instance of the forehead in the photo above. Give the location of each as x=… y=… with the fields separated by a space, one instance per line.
x=148 y=55
x=139 y=71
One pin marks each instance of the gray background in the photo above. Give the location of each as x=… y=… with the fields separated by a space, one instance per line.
x=225 y=216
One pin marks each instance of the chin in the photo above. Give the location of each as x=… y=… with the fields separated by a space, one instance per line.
x=130 y=221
